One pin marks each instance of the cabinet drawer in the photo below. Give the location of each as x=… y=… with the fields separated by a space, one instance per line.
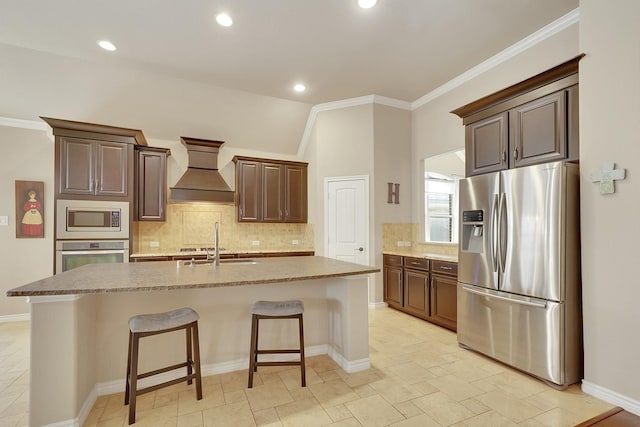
x=394 y=260
x=444 y=267
x=416 y=263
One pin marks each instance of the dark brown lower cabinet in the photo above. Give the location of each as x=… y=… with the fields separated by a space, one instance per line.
x=393 y=289
x=444 y=307
x=393 y=286
x=416 y=293
x=421 y=287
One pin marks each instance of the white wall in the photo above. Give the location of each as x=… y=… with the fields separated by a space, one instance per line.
x=341 y=145
x=392 y=163
x=37 y=84
x=27 y=155
x=609 y=129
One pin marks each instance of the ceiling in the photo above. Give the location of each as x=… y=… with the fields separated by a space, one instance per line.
x=400 y=49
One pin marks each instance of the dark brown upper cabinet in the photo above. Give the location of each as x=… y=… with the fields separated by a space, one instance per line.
x=534 y=121
x=487 y=144
x=94 y=161
x=270 y=190
x=93 y=168
x=539 y=130
x=151 y=183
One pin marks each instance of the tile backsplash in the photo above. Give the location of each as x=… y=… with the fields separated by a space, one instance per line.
x=192 y=225
x=408 y=233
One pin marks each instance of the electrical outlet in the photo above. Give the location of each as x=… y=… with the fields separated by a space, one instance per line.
x=400 y=244
x=407 y=244
x=255 y=242
x=154 y=244
x=295 y=242
x=4 y=220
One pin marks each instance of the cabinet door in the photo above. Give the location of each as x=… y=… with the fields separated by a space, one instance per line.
x=295 y=203
x=248 y=190
x=538 y=130
x=393 y=286
x=444 y=308
x=77 y=166
x=486 y=145
x=416 y=293
x=272 y=192
x=151 y=185
x=111 y=171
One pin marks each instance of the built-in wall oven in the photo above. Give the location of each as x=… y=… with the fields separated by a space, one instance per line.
x=71 y=254
x=89 y=232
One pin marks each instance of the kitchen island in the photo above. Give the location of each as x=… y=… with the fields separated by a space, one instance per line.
x=79 y=318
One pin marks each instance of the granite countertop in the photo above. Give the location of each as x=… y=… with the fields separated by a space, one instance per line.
x=437 y=257
x=167 y=275
x=201 y=252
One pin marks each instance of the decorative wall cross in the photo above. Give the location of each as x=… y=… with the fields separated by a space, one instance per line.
x=606 y=177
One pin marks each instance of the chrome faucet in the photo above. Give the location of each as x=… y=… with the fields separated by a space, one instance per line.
x=216 y=248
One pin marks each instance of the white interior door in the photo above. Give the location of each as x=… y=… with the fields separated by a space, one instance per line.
x=347 y=219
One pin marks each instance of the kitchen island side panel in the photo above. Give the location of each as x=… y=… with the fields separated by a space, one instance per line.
x=80 y=345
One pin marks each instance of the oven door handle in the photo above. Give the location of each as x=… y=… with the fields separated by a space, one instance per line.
x=97 y=252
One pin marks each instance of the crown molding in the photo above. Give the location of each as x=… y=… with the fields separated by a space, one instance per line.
x=23 y=124
x=542 y=34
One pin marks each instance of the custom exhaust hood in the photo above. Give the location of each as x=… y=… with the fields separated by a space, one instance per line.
x=202 y=181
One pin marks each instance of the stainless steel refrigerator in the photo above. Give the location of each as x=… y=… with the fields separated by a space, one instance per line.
x=519 y=270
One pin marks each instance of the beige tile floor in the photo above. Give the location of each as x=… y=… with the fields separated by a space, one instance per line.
x=14 y=374
x=419 y=377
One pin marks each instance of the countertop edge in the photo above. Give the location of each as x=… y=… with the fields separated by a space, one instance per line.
x=436 y=257
x=28 y=293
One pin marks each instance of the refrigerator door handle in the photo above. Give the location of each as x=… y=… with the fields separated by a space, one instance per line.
x=494 y=234
x=537 y=304
x=504 y=238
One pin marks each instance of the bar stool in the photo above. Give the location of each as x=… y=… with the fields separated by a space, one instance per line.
x=292 y=309
x=146 y=325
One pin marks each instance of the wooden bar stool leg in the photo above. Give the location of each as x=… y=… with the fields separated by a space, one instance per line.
x=134 y=378
x=302 y=362
x=196 y=360
x=253 y=350
x=255 y=365
x=128 y=377
x=189 y=354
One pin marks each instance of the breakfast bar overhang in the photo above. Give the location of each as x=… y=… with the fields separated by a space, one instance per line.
x=79 y=322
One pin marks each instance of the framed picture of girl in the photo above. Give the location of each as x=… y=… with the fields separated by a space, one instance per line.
x=29 y=209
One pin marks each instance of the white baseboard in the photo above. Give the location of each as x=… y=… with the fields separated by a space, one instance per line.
x=23 y=317
x=374 y=305
x=349 y=366
x=118 y=386
x=612 y=397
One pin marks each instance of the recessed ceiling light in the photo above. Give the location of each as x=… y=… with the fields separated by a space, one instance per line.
x=299 y=87
x=367 y=4
x=107 y=45
x=224 y=20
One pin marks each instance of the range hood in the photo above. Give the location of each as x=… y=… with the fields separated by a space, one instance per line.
x=202 y=181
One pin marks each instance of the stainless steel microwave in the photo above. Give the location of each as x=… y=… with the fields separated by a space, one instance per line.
x=92 y=219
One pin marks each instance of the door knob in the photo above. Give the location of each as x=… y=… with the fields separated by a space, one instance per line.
x=360 y=249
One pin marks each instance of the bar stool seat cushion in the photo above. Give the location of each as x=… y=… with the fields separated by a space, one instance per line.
x=160 y=321
x=278 y=308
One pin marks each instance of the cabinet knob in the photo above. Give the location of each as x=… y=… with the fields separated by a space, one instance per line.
x=504 y=156
x=360 y=249
x=515 y=153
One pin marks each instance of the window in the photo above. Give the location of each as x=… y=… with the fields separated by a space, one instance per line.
x=441 y=176
x=441 y=200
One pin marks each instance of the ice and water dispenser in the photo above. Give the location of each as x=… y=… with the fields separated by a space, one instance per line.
x=472 y=231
